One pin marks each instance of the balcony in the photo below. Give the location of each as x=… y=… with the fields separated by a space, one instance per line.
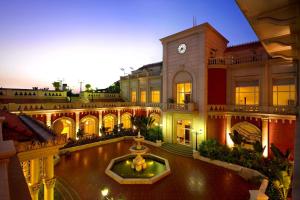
x=13 y=107
x=189 y=107
x=282 y=110
x=236 y=60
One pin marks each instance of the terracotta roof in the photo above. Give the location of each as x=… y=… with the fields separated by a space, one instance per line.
x=244 y=46
x=15 y=129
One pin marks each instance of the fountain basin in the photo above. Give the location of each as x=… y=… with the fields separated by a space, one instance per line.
x=134 y=150
x=120 y=169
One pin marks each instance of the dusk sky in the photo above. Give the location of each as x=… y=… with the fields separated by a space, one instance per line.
x=43 y=41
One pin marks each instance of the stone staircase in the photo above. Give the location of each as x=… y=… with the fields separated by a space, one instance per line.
x=178 y=149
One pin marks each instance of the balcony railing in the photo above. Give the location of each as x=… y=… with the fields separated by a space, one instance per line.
x=236 y=60
x=13 y=107
x=287 y=110
x=73 y=105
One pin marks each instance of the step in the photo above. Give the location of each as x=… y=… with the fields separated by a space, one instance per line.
x=178 y=149
x=180 y=154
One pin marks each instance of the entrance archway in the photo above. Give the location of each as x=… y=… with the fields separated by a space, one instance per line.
x=65 y=126
x=156 y=118
x=89 y=125
x=109 y=122
x=126 y=120
x=251 y=132
x=183 y=130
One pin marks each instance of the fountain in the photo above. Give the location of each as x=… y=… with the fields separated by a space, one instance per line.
x=138 y=162
x=139 y=167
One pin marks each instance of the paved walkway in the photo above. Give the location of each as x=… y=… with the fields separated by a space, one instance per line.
x=189 y=179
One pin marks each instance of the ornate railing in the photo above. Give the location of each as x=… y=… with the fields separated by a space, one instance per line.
x=75 y=105
x=13 y=107
x=236 y=60
x=291 y=110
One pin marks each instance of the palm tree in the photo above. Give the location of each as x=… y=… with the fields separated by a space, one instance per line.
x=142 y=123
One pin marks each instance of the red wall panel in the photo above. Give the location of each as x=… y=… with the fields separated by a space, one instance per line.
x=216 y=129
x=282 y=134
x=216 y=93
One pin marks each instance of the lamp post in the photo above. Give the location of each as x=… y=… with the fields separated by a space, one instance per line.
x=200 y=131
x=105 y=194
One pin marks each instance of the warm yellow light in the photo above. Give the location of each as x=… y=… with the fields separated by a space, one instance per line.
x=150 y=163
x=104 y=192
x=229 y=141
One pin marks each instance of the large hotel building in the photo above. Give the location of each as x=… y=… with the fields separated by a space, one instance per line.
x=203 y=89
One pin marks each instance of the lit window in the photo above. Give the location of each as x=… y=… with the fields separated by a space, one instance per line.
x=247 y=95
x=126 y=120
x=109 y=122
x=143 y=96
x=184 y=91
x=133 y=96
x=155 y=96
x=284 y=92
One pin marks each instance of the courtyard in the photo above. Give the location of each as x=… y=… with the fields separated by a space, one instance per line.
x=84 y=172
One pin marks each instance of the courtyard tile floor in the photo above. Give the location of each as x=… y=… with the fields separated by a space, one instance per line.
x=189 y=179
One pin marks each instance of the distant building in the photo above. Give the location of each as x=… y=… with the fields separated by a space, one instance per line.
x=203 y=89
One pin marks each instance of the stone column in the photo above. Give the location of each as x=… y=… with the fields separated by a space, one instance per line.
x=34 y=185
x=100 y=120
x=148 y=95
x=49 y=181
x=265 y=135
x=133 y=112
x=266 y=88
x=147 y=112
x=229 y=142
x=48 y=120
x=76 y=123
x=119 y=116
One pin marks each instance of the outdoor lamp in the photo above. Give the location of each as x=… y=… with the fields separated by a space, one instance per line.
x=104 y=192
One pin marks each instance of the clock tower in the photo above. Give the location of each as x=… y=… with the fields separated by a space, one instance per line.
x=185 y=71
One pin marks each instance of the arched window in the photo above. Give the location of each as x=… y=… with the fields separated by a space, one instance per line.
x=126 y=120
x=109 y=122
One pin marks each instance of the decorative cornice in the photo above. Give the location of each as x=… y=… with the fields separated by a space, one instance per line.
x=34 y=188
x=49 y=183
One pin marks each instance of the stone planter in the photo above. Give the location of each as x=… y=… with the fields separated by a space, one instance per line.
x=158 y=143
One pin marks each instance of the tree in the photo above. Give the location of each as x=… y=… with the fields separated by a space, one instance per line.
x=56 y=85
x=80 y=133
x=87 y=87
x=114 y=88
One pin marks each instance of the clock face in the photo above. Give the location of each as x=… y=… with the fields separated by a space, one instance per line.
x=181 y=48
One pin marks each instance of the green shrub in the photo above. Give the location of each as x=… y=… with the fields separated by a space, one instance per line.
x=154 y=134
x=278 y=168
x=212 y=149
